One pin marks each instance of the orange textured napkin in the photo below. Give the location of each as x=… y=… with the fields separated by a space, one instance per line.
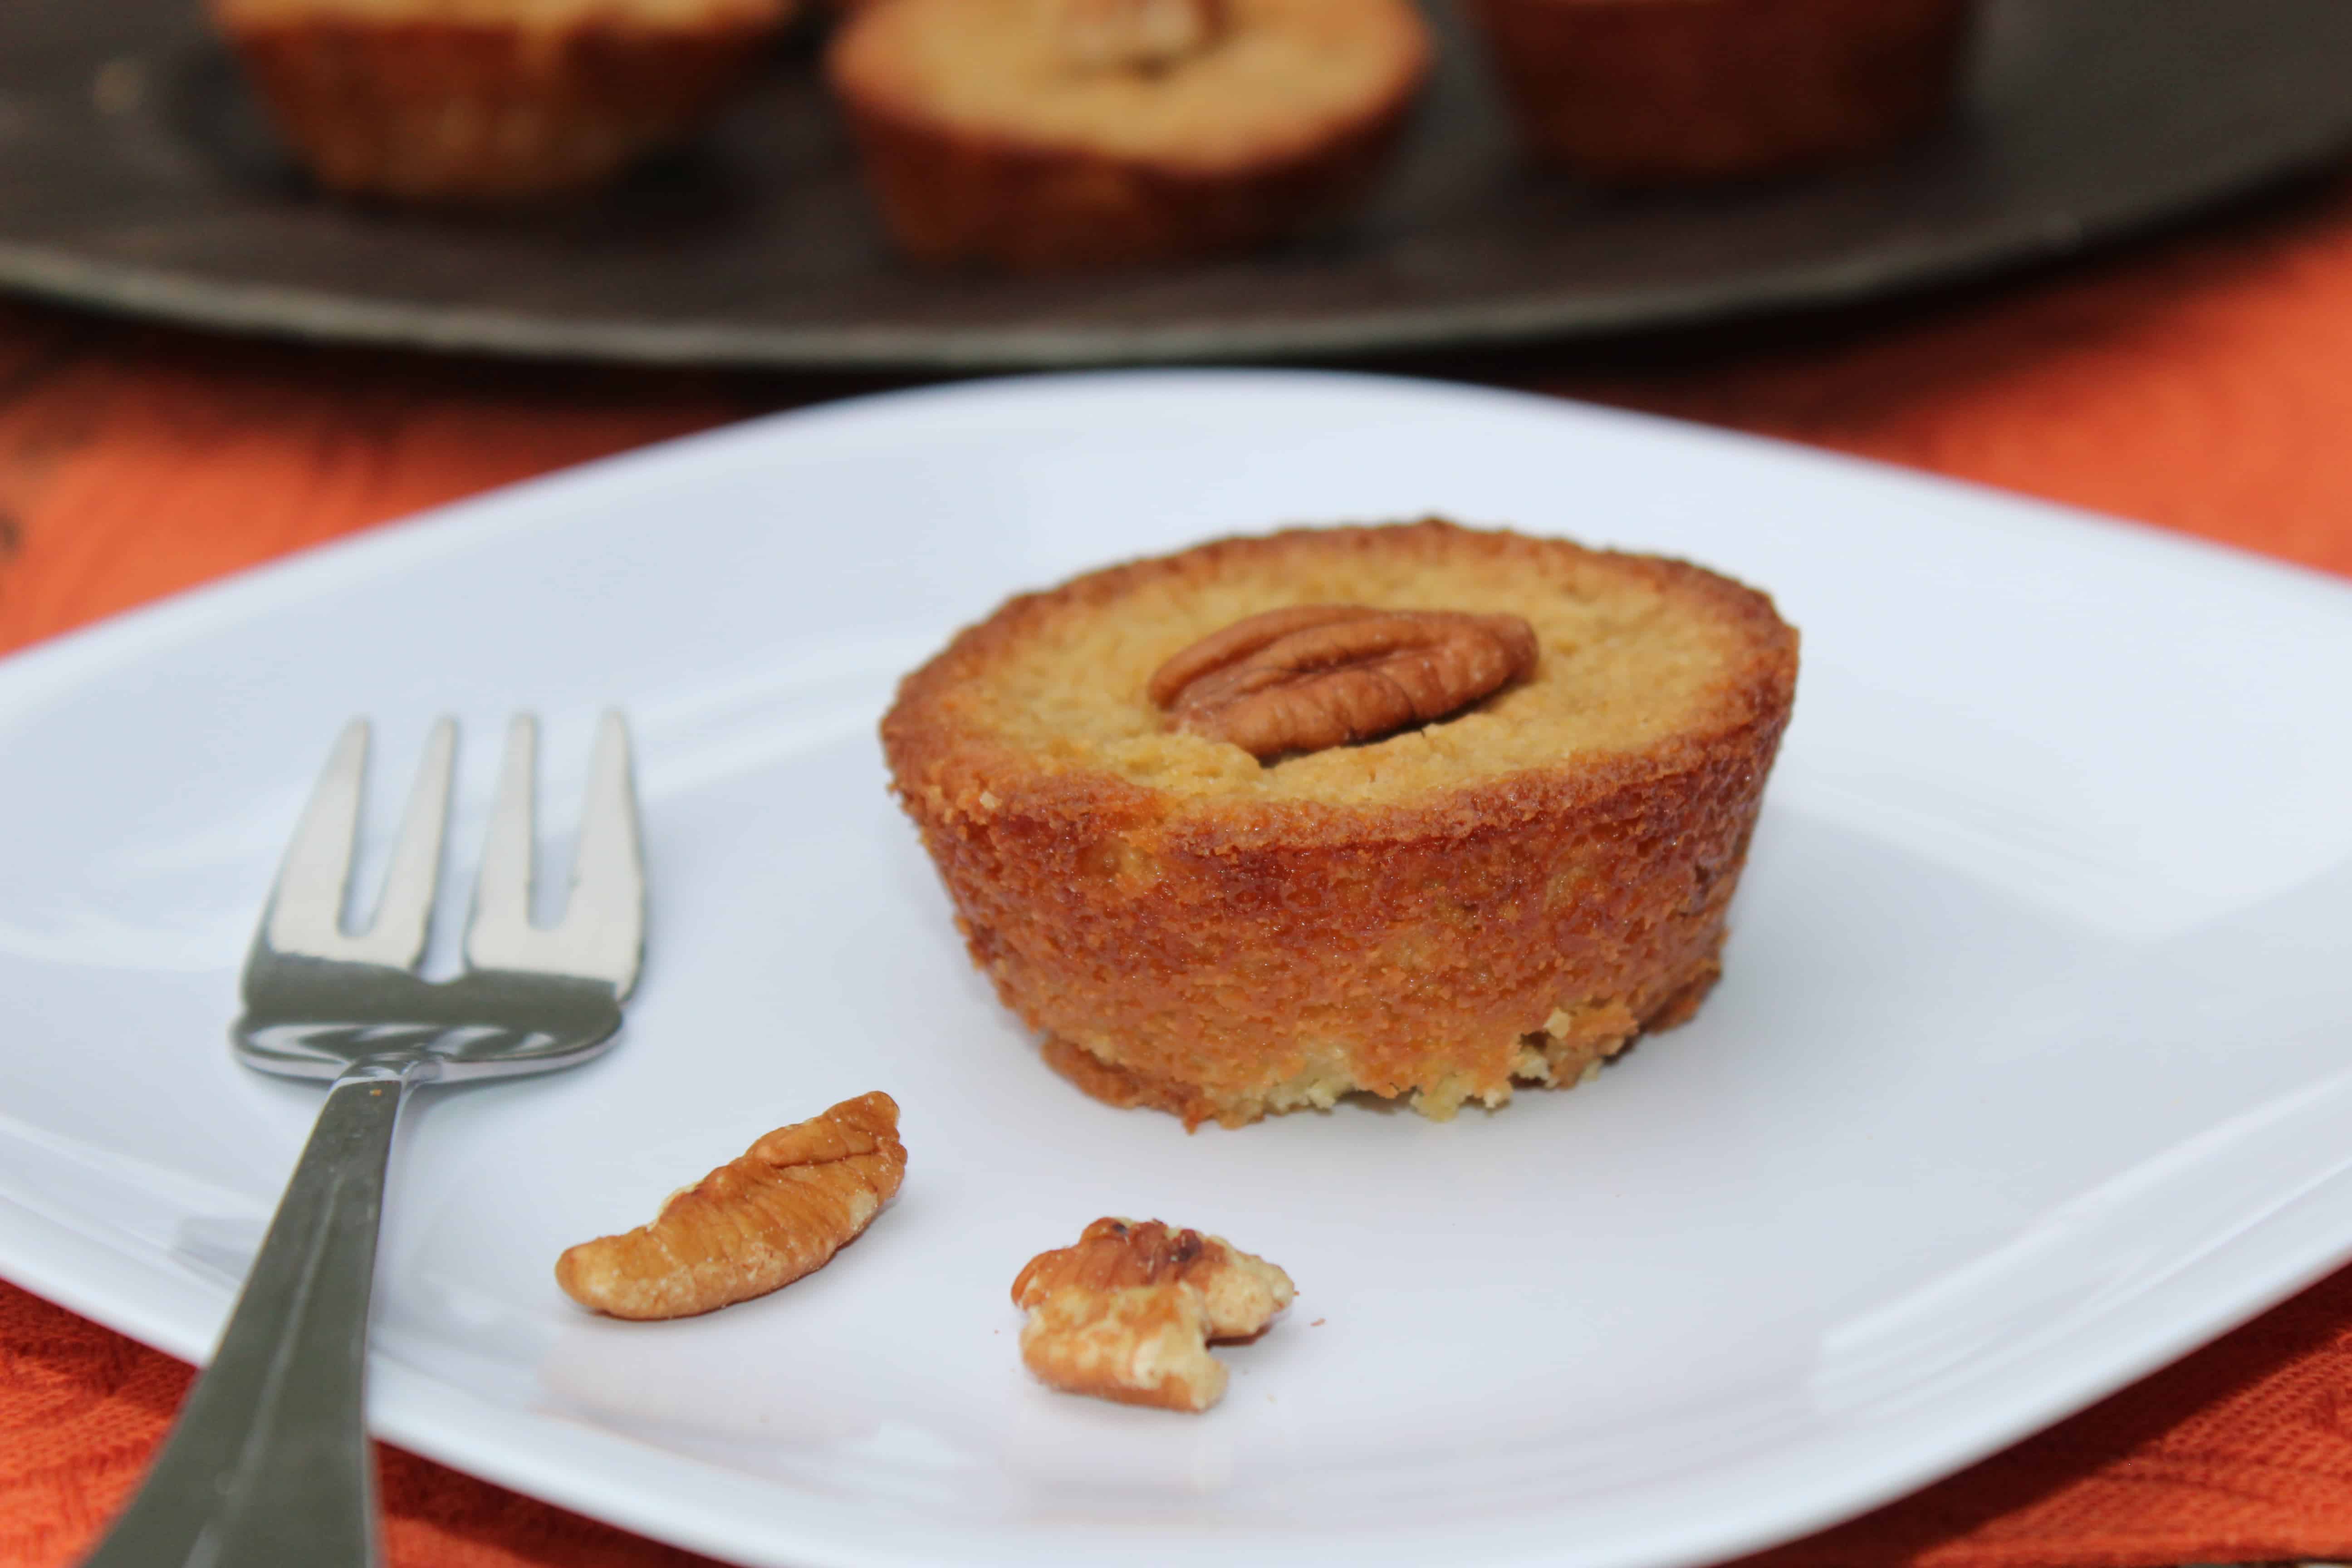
x=2203 y=384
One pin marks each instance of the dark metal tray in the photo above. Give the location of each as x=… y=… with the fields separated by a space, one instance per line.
x=136 y=175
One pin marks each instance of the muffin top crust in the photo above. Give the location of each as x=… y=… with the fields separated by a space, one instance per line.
x=1643 y=661
x=1278 y=75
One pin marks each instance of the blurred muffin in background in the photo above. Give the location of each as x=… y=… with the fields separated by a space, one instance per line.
x=1041 y=134
x=479 y=102
x=1634 y=93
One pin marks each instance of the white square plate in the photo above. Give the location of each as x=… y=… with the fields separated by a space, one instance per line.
x=2030 y=1068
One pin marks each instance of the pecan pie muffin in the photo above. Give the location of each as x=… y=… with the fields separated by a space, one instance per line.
x=1415 y=810
x=1651 y=91
x=1059 y=133
x=487 y=101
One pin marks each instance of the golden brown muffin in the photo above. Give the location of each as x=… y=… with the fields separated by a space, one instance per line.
x=1508 y=896
x=481 y=102
x=1058 y=133
x=1636 y=92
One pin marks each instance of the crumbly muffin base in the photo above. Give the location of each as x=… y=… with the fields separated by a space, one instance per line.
x=1575 y=1043
x=951 y=200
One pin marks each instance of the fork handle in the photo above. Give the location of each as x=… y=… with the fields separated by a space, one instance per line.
x=268 y=1466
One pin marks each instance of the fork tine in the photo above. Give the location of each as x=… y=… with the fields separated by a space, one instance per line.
x=500 y=935
x=403 y=915
x=305 y=907
x=602 y=934
x=604 y=917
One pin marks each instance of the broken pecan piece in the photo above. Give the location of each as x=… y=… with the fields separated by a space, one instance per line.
x=752 y=1225
x=1129 y=1313
x=1311 y=676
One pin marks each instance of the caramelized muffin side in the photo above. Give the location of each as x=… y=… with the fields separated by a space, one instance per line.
x=1642 y=92
x=489 y=102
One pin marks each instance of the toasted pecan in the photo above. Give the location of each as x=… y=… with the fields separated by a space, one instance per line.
x=754 y=1224
x=1137 y=35
x=1311 y=676
x=1128 y=1312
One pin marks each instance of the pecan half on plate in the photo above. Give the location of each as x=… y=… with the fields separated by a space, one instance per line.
x=754 y=1224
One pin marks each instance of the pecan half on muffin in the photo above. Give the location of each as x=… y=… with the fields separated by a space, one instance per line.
x=1058 y=133
x=476 y=103
x=1652 y=91
x=1415 y=810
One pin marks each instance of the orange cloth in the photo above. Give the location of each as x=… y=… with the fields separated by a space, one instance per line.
x=2203 y=384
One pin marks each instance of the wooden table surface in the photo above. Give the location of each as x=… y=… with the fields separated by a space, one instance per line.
x=2200 y=382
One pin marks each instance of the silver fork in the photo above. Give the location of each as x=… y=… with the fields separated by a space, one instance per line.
x=268 y=1465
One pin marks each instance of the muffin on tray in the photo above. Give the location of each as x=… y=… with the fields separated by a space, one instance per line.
x=1062 y=133
x=480 y=102
x=1415 y=810
x=1652 y=91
